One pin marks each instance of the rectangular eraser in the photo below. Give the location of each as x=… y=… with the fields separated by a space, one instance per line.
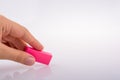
x=40 y=56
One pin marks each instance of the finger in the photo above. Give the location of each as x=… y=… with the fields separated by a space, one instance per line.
x=18 y=44
x=21 y=32
x=18 y=31
x=15 y=55
x=27 y=37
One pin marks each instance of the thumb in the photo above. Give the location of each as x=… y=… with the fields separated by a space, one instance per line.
x=16 y=55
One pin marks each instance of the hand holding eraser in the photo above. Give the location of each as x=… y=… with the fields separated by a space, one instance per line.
x=40 y=56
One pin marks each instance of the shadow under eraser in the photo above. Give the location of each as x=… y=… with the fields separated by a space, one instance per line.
x=40 y=56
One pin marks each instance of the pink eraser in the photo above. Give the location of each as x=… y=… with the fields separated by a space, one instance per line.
x=40 y=56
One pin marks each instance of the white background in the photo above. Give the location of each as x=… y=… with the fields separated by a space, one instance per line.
x=82 y=35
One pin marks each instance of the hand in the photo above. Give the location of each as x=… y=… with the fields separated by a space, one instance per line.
x=13 y=39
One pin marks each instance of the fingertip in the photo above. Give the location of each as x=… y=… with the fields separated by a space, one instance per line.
x=40 y=47
x=29 y=61
x=37 y=45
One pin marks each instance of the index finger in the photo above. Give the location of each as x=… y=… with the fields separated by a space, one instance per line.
x=18 y=31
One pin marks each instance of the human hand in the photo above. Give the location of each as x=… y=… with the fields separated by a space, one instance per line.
x=13 y=39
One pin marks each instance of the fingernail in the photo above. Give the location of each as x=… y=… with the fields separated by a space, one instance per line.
x=29 y=61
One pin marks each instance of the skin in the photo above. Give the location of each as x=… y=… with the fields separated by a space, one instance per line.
x=13 y=39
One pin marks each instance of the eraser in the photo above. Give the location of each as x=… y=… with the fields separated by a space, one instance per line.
x=40 y=56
